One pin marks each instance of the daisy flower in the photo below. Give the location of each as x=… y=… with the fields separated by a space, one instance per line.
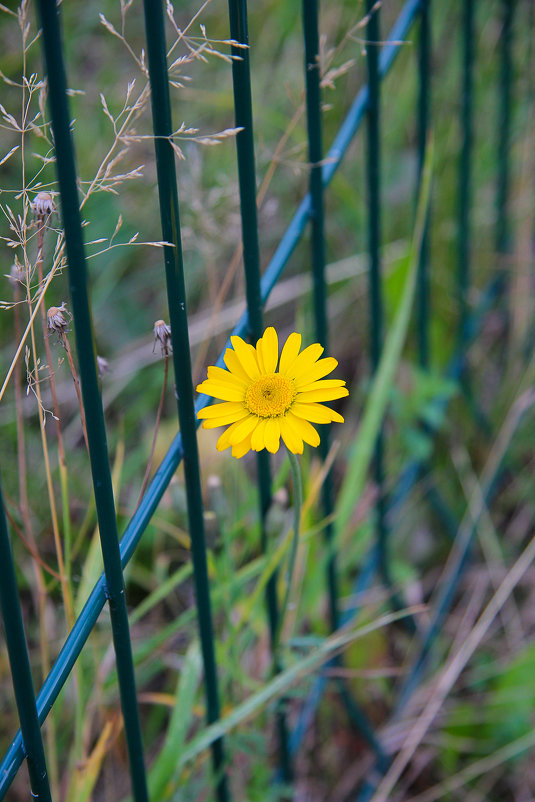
x=266 y=399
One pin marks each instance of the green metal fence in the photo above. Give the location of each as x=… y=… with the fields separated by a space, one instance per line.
x=414 y=16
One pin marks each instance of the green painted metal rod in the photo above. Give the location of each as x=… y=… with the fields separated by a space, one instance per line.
x=20 y=667
x=504 y=129
x=465 y=177
x=243 y=113
x=176 y=296
x=96 y=431
x=317 y=221
x=373 y=165
x=424 y=80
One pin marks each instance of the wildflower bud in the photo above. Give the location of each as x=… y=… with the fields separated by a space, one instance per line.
x=162 y=335
x=56 y=319
x=102 y=366
x=43 y=205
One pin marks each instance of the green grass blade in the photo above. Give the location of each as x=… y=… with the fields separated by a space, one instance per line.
x=164 y=768
x=280 y=685
x=362 y=451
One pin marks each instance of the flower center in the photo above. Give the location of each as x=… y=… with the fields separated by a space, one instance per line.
x=270 y=396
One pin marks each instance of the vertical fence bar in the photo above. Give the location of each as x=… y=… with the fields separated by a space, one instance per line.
x=20 y=666
x=465 y=186
x=424 y=70
x=317 y=219
x=176 y=295
x=243 y=111
x=504 y=131
x=98 y=450
x=373 y=159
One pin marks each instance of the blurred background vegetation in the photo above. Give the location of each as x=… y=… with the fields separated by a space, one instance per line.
x=488 y=713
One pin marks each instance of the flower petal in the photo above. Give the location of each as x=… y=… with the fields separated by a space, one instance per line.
x=221 y=375
x=225 y=420
x=260 y=356
x=242 y=448
x=316 y=413
x=290 y=436
x=219 y=410
x=224 y=441
x=305 y=361
x=304 y=429
x=310 y=373
x=322 y=395
x=268 y=346
x=257 y=438
x=226 y=392
x=247 y=356
x=234 y=365
x=243 y=430
x=324 y=384
x=272 y=435
x=290 y=352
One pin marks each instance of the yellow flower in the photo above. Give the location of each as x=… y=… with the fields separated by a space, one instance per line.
x=262 y=404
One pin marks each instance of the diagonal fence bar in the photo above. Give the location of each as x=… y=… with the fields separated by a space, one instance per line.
x=92 y=402
x=19 y=662
x=164 y=473
x=176 y=295
x=243 y=112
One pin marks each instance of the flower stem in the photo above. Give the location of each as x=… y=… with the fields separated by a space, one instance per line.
x=76 y=383
x=156 y=429
x=298 y=501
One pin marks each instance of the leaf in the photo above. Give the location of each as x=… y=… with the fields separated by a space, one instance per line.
x=86 y=775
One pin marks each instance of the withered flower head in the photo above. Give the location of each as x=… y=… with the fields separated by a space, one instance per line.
x=43 y=205
x=162 y=335
x=56 y=319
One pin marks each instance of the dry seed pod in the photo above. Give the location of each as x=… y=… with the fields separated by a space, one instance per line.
x=43 y=205
x=56 y=319
x=162 y=335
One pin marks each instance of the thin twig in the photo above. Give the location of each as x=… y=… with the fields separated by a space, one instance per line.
x=155 y=435
x=32 y=548
x=74 y=374
x=51 y=377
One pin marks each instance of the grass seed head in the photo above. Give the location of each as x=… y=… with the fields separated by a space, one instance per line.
x=17 y=274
